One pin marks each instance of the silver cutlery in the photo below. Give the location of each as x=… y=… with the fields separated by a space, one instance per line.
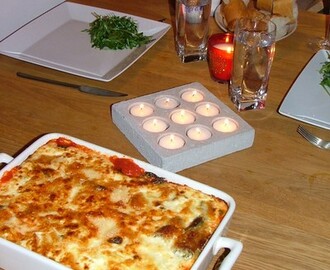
x=312 y=138
x=81 y=88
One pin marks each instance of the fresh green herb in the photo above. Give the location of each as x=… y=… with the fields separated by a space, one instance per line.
x=115 y=32
x=325 y=71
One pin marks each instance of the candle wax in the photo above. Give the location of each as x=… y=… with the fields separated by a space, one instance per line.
x=141 y=110
x=155 y=125
x=183 y=117
x=207 y=110
x=199 y=133
x=171 y=141
x=227 y=49
x=192 y=95
x=167 y=103
x=225 y=125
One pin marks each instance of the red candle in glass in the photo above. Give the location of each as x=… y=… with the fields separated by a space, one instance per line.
x=220 y=53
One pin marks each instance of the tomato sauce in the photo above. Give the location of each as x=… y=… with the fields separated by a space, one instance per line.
x=62 y=142
x=127 y=166
x=7 y=176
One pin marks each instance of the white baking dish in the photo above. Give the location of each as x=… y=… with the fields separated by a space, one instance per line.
x=14 y=257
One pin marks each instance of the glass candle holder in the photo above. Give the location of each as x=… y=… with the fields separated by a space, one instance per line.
x=220 y=56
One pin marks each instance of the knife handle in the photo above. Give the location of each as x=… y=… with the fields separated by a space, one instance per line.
x=40 y=79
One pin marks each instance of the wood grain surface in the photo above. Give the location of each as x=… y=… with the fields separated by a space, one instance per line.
x=281 y=184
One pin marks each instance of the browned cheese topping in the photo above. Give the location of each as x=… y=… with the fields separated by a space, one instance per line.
x=73 y=205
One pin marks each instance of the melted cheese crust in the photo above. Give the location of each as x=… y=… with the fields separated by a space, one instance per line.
x=68 y=203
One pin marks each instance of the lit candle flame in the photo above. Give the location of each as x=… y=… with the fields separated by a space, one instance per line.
x=192 y=95
x=199 y=133
x=230 y=49
x=225 y=125
x=182 y=113
x=141 y=110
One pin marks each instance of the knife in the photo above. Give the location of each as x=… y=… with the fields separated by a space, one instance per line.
x=81 y=88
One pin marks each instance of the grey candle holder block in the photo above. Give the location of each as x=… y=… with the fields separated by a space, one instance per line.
x=130 y=117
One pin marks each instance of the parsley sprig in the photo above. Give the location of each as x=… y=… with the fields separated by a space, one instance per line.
x=115 y=32
x=325 y=71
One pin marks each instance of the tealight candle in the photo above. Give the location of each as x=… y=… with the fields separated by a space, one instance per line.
x=192 y=95
x=141 y=110
x=220 y=54
x=182 y=117
x=171 y=141
x=167 y=103
x=199 y=133
x=207 y=109
x=225 y=125
x=155 y=125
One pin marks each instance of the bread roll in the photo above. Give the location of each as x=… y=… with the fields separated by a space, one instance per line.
x=251 y=4
x=282 y=12
x=266 y=5
x=254 y=13
x=285 y=8
x=232 y=11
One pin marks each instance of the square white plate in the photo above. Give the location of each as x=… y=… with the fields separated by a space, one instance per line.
x=56 y=40
x=16 y=13
x=307 y=101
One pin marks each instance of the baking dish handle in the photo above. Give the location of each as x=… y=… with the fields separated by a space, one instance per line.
x=4 y=158
x=235 y=250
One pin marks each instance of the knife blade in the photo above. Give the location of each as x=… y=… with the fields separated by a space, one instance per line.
x=82 y=88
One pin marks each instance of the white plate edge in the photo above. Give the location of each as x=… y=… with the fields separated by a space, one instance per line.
x=284 y=108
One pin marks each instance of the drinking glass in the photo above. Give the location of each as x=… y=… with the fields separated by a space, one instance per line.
x=254 y=49
x=323 y=43
x=192 y=27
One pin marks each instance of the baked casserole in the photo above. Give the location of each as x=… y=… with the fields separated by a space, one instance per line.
x=88 y=210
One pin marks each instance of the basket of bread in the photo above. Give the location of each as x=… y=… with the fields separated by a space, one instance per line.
x=283 y=13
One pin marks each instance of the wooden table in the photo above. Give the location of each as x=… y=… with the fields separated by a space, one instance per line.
x=281 y=184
